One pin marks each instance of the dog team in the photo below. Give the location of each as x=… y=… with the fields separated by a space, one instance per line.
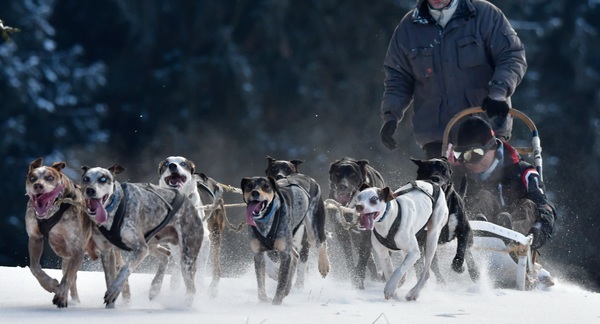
x=182 y=218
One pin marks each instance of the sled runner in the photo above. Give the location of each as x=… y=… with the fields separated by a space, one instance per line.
x=525 y=271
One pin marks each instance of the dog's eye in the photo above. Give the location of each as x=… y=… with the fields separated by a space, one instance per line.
x=50 y=178
x=374 y=200
x=32 y=179
x=102 y=179
x=85 y=179
x=183 y=164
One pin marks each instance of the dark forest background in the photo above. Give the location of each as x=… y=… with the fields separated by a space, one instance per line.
x=227 y=82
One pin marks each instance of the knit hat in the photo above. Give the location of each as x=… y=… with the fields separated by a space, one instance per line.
x=473 y=132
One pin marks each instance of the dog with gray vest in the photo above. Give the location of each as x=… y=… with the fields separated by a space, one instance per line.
x=139 y=218
x=279 y=213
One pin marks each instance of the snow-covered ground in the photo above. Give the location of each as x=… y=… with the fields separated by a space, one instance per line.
x=330 y=300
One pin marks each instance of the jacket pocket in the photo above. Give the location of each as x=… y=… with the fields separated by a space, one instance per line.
x=471 y=52
x=421 y=60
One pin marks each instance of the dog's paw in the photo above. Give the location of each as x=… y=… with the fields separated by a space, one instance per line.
x=457 y=265
x=111 y=296
x=60 y=301
x=411 y=297
x=389 y=291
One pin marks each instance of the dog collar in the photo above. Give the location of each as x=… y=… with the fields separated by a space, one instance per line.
x=272 y=208
x=114 y=198
x=387 y=209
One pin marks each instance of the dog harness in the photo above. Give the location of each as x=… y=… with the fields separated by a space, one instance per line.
x=388 y=241
x=113 y=235
x=47 y=224
x=269 y=240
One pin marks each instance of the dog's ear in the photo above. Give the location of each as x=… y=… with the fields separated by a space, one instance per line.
x=387 y=194
x=332 y=168
x=364 y=186
x=59 y=165
x=270 y=159
x=244 y=182
x=161 y=167
x=273 y=183
x=202 y=176
x=363 y=168
x=297 y=163
x=116 y=169
x=35 y=164
x=417 y=161
x=85 y=168
x=192 y=166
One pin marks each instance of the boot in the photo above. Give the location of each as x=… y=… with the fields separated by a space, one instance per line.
x=505 y=220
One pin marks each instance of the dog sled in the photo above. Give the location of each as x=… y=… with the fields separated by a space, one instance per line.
x=520 y=245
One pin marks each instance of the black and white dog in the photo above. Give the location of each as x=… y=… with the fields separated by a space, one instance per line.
x=346 y=176
x=395 y=218
x=178 y=172
x=438 y=170
x=139 y=218
x=279 y=213
x=279 y=169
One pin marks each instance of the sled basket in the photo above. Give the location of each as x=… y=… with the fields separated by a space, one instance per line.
x=525 y=258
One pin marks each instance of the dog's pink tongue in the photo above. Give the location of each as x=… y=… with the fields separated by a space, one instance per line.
x=366 y=221
x=100 y=211
x=43 y=202
x=251 y=209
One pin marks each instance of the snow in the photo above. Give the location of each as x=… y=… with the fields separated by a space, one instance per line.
x=329 y=300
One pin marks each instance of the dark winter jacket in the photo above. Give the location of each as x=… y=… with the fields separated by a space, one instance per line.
x=445 y=70
x=512 y=180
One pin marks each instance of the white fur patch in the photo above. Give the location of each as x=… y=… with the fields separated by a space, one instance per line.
x=452 y=223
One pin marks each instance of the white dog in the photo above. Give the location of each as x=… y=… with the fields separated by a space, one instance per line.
x=178 y=172
x=395 y=219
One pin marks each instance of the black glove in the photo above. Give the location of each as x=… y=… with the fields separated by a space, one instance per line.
x=387 y=134
x=495 y=108
x=539 y=237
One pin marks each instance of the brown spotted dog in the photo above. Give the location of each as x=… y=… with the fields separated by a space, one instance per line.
x=140 y=218
x=55 y=211
x=279 y=213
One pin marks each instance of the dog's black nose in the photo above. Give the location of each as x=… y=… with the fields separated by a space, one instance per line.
x=172 y=166
x=359 y=208
x=255 y=194
x=91 y=192
x=38 y=187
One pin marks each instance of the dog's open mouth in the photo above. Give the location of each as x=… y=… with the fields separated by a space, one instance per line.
x=175 y=180
x=42 y=203
x=95 y=207
x=255 y=209
x=343 y=198
x=367 y=221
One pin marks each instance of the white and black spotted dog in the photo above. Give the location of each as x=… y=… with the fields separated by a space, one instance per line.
x=139 y=218
x=178 y=172
x=395 y=218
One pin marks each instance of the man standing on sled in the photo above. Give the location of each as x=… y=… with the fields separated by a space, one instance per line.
x=446 y=56
x=501 y=186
